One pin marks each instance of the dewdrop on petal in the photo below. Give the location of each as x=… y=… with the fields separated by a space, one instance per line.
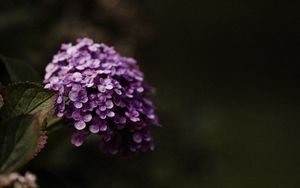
x=103 y=93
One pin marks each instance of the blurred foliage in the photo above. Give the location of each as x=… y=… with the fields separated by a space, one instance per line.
x=227 y=79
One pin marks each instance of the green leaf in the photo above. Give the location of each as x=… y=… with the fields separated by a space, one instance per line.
x=27 y=98
x=18 y=141
x=26 y=106
x=18 y=70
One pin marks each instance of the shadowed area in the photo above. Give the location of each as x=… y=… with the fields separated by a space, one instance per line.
x=227 y=80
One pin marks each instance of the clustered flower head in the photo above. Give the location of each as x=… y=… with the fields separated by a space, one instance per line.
x=103 y=93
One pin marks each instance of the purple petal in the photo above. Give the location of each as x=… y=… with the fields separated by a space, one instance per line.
x=109 y=104
x=111 y=114
x=78 y=104
x=76 y=115
x=87 y=117
x=137 y=138
x=102 y=127
x=80 y=125
x=73 y=95
x=77 y=76
x=94 y=128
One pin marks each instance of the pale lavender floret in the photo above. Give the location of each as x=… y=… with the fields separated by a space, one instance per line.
x=133 y=115
x=98 y=125
x=102 y=93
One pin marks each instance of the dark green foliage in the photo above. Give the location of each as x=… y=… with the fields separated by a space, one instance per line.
x=26 y=106
x=18 y=141
x=27 y=98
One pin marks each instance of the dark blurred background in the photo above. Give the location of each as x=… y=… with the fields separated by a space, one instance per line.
x=227 y=75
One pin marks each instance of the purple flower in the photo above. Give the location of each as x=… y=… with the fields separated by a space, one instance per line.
x=103 y=93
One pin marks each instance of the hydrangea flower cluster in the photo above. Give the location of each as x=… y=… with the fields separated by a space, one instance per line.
x=103 y=93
